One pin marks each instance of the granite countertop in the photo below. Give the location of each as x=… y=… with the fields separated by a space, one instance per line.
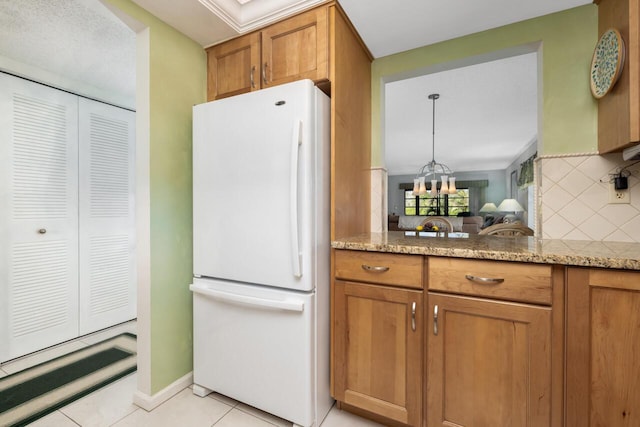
x=523 y=249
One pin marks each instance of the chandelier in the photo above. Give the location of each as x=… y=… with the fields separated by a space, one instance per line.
x=434 y=170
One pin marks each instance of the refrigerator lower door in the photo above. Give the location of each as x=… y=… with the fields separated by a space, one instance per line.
x=256 y=345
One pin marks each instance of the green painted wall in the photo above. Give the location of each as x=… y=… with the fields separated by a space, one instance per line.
x=569 y=113
x=177 y=81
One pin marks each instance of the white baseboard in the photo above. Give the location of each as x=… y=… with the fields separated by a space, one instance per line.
x=149 y=403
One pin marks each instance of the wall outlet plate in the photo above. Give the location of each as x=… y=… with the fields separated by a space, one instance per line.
x=618 y=196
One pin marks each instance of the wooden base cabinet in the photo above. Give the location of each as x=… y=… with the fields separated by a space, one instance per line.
x=488 y=363
x=377 y=335
x=603 y=348
x=378 y=342
x=494 y=333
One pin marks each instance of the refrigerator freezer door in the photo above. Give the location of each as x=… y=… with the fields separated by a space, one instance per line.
x=256 y=345
x=254 y=187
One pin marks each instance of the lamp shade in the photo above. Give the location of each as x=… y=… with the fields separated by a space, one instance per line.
x=452 y=185
x=510 y=205
x=423 y=189
x=444 y=187
x=488 y=207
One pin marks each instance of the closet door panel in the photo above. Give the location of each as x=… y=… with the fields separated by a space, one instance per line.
x=107 y=233
x=39 y=225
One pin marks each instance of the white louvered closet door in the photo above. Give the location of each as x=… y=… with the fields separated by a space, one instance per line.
x=38 y=217
x=107 y=226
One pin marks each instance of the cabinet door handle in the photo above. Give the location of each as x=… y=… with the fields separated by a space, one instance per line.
x=435 y=319
x=264 y=73
x=375 y=268
x=413 y=316
x=42 y=230
x=253 y=83
x=484 y=280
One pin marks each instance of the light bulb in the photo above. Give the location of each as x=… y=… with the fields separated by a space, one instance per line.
x=452 y=185
x=423 y=188
x=416 y=186
x=434 y=187
x=444 y=189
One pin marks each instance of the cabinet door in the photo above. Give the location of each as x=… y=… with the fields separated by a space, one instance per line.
x=378 y=350
x=39 y=219
x=233 y=67
x=296 y=48
x=488 y=363
x=106 y=207
x=603 y=348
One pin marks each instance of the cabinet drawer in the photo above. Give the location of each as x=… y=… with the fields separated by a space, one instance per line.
x=373 y=267
x=495 y=279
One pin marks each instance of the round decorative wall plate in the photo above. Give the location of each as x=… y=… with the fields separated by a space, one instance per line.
x=607 y=63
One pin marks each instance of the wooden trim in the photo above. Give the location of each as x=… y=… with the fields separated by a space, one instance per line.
x=578 y=349
x=633 y=53
x=369 y=415
x=557 y=345
x=350 y=75
x=332 y=317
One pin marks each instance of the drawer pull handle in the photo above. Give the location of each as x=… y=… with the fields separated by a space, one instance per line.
x=375 y=268
x=484 y=280
x=253 y=83
x=413 y=316
x=435 y=319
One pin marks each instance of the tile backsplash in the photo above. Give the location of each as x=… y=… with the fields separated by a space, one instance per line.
x=574 y=199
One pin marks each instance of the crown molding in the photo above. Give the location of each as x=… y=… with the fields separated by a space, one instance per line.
x=247 y=15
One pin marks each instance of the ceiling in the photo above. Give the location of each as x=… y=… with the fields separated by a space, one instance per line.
x=83 y=41
x=386 y=26
x=78 y=39
x=485 y=117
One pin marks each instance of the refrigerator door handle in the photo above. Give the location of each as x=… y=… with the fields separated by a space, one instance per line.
x=297 y=306
x=296 y=257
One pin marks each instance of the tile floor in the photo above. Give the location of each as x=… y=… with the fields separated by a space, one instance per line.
x=112 y=405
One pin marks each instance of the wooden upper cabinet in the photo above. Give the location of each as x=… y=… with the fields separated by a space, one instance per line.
x=322 y=45
x=603 y=344
x=296 y=49
x=619 y=110
x=233 y=67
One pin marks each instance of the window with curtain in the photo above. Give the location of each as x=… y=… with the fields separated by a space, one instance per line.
x=526 y=172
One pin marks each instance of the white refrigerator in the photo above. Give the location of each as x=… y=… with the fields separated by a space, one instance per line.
x=261 y=250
